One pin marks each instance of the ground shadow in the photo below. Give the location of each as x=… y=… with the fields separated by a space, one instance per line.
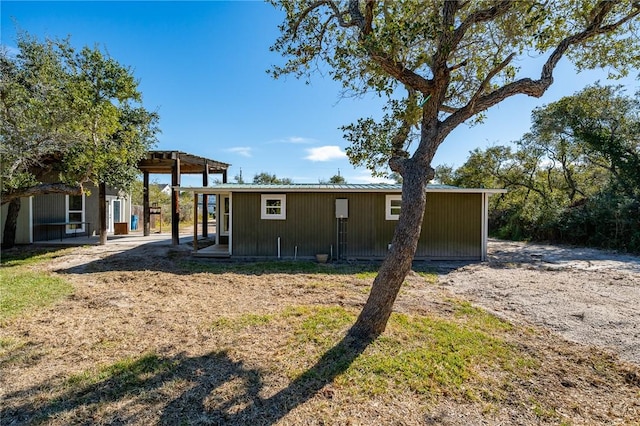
x=214 y=390
x=160 y=257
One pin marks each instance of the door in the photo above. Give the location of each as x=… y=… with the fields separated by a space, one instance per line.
x=114 y=212
x=224 y=214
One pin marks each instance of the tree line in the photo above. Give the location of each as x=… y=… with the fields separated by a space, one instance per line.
x=574 y=178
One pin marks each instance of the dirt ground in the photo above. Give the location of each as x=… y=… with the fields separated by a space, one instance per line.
x=132 y=299
x=586 y=295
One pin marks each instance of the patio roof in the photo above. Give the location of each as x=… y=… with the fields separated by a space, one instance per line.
x=162 y=162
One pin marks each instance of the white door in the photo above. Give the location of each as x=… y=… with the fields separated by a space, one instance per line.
x=114 y=212
x=225 y=207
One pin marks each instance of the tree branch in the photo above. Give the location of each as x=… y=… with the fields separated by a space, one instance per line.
x=41 y=189
x=536 y=88
x=311 y=8
x=489 y=77
x=480 y=16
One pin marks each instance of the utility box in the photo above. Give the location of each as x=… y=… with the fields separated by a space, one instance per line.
x=342 y=208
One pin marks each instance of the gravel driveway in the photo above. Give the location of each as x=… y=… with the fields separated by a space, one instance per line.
x=586 y=295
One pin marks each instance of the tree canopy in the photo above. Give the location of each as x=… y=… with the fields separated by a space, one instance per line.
x=68 y=117
x=439 y=64
x=335 y=179
x=264 y=178
x=574 y=178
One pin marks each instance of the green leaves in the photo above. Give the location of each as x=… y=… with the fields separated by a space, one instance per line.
x=575 y=177
x=77 y=113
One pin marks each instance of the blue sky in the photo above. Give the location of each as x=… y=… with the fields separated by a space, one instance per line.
x=202 y=67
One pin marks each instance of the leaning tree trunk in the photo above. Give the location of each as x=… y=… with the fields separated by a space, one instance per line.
x=102 y=202
x=11 y=224
x=373 y=318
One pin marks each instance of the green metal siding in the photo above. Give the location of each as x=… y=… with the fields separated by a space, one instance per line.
x=47 y=209
x=452 y=227
x=51 y=208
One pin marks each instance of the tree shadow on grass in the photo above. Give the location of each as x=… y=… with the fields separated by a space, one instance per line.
x=211 y=389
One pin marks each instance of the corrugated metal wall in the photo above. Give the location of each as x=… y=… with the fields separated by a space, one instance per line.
x=452 y=227
x=51 y=208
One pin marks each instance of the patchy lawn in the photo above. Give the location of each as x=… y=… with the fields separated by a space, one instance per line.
x=151 y=336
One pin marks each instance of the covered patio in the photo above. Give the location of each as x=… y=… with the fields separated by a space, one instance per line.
x=177 y=163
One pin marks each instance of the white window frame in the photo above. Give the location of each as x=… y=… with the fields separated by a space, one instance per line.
x=264 y=214
x=68 y=228
x=388 y=210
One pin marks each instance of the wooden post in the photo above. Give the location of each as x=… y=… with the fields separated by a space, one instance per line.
x=175 y=202
x=195 y=222
x=146 y=219
x=224 y=177
x=205 y=203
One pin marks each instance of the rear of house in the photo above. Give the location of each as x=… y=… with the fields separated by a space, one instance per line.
x=345 y=221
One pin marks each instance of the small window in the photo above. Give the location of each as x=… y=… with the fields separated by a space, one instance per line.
x=75 y=213
x=392 y=207
x=273 y=206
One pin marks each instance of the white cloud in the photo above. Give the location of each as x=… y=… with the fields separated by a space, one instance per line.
x=367 y=178
x=244 y=151
x=325 y=153
x=296 y=140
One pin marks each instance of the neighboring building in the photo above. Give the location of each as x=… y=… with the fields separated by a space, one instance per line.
x=164 y=188
x=345 y=221
x=55 y=216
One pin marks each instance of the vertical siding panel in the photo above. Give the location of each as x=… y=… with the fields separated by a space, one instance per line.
x=452 y=226
x=47 y=208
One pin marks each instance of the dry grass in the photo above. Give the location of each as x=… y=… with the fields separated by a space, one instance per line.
x=152 y=337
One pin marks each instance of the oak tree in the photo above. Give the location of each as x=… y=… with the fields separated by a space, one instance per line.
x=440 y=64
x=68 y=118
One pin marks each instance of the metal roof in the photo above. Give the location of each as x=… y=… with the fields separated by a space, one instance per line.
x=311 y=187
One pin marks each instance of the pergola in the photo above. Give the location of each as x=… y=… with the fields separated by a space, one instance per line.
x=177 y=163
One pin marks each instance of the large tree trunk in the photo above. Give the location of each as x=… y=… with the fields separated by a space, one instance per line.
x=11 y=224
x=102 y=202
x=373 y=318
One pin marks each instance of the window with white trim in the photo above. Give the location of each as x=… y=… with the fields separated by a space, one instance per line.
x=273 y=206
x=75 y=213
x=393 y=203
